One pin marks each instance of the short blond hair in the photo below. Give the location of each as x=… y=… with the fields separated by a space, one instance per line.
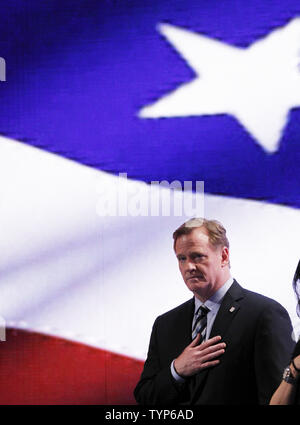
x=216 y=231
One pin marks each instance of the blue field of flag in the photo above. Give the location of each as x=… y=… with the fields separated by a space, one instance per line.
x=81 y=74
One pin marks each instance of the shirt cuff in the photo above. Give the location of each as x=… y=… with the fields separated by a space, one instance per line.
x=175 y=375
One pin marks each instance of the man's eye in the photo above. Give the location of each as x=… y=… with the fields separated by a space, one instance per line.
x=198 y=256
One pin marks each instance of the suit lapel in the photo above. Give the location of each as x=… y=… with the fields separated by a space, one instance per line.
x=228 y=309
x=182 y=329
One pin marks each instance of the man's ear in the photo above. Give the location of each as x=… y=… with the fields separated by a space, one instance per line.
x=225 y=256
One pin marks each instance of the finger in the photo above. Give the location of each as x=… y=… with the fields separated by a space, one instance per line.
x=211 y=341
x=213 y=355
x=210 y=364
x=212 y=348
x=195 y=341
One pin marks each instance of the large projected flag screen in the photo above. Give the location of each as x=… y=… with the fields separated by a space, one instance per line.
x=99 y=99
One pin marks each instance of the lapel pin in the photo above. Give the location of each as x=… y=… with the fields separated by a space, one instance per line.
x=232 y=309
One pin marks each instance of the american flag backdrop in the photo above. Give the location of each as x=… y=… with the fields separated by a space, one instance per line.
x=154 y=90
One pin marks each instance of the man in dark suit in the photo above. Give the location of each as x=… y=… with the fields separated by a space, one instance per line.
x=226 y=345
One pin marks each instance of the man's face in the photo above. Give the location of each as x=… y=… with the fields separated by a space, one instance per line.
x=201 y=264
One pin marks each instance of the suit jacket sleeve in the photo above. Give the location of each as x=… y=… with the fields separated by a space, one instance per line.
x=273 y=348
x=156 y=385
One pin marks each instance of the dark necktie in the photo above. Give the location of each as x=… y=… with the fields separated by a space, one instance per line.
x=200 y=323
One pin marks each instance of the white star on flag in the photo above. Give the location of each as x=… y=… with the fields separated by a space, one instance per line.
x=258 y=85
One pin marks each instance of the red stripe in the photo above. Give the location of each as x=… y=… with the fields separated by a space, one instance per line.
x=41 y=369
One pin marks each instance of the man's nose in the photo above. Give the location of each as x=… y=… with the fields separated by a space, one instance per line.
x=190 y=266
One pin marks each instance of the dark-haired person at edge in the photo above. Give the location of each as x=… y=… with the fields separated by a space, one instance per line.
x=288 y=391
x=226 y=345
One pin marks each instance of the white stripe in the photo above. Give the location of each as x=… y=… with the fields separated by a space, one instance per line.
x=67 y=271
